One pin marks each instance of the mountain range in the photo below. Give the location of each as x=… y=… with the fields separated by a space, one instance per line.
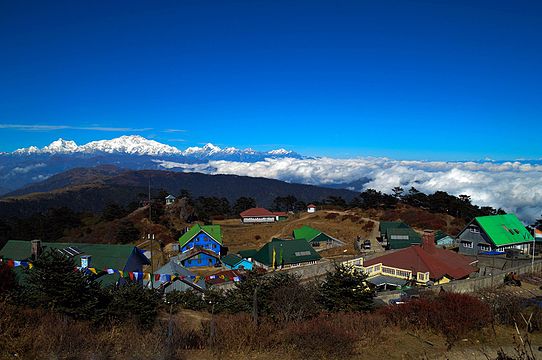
x=32 y=164
x=91 y=189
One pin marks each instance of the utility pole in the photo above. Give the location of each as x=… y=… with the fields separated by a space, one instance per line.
x=150 y=237
x=150 y=210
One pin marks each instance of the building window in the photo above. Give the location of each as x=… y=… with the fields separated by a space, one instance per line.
x=474 y=230
x=468 y=245
x=485 y=248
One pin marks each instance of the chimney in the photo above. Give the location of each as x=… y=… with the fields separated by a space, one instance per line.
x=428 y=241
x=36 y=249
x=85 y=261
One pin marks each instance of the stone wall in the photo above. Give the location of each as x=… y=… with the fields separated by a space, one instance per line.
x=488 y=281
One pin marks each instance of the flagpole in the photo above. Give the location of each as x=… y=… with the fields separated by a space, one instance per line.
x=534 y=244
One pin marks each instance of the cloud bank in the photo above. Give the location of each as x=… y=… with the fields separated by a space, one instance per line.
x=514 y=186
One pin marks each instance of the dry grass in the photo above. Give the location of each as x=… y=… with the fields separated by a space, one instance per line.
x=33 y=334
x=238 y=236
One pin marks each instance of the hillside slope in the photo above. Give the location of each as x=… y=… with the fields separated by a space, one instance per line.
x=92 y=189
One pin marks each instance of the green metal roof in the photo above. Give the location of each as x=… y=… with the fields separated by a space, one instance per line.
x=385 y=225
x=249 y=253
x=231 y=259
x=440 y=235
x=212 y=230
x=306 y=232
x=102 y=255
x=286 y=252
x=504 y=229
x=413 y=238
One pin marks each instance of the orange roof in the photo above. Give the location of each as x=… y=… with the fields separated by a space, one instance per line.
x=311 y=206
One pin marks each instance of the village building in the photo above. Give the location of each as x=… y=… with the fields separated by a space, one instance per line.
x=311 y=208
x=200 y=246
x=170 y=199
x=423 y=264
x=178 y=278
x=126 y=258
x=261 y=215
x=235 y=262
x=397 y=235
x=315 y=237
x=283 y=254
x=494 y=234
x=443 y=239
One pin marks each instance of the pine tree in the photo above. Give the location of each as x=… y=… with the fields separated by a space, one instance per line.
x=55 y=283
x=134 y=301
x=345 y=289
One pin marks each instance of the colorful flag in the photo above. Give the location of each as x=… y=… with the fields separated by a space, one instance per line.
x=538 y=234
x=236 y=278
x=147 y=277
x=16 y=263
x=274 y=255
x=110 y=271
x=93 y=270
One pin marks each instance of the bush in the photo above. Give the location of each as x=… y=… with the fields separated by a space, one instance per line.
x=53 y=284
x=190 y=300
x=132 y=301
x=345 y=289
x=450 y=314
x=8 y=282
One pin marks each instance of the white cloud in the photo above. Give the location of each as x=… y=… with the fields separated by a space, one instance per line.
x=19 y=170
x=26 y=169
x=37 y=127
x=513 y=186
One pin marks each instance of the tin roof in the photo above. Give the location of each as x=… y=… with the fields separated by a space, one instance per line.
x=504 y=229
x=212 y=230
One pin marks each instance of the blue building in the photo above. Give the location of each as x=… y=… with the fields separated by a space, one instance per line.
x=201 y=246
x=235 y=262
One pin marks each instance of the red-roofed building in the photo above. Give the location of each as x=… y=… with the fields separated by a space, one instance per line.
x=422 y=264
x=311 y=208
x=261 y=215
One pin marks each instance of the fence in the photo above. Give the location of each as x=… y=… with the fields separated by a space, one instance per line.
x=482 y=282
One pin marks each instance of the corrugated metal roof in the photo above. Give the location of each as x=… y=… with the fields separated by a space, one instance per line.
x=504 y=229
x=213 y=231
x=286 y=252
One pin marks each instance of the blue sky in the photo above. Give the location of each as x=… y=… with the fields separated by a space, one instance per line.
x=406 y=79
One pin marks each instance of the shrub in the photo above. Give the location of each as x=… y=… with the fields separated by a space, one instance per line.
x=345 y=289
x=53 y=284
x=190 y=300
x=450 y=314
x=8 y=282
x=132 y=301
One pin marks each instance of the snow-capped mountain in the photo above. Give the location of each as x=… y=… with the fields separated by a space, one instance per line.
x=31 y=164
x=138 y=145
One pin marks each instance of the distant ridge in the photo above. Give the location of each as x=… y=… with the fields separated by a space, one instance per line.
x=92 y=189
